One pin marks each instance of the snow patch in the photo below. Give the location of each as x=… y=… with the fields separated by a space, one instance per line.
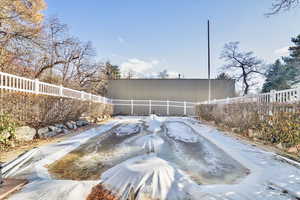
x=144 y=176
x=154 y=123
x=127 y=129
x=179 y=131
x=151 y=143
x=55 y=190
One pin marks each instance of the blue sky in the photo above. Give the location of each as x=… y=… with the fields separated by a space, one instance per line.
x=150 y=36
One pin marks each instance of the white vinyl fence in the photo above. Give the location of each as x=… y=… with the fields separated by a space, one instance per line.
x=145 y=107
x=13 y=83
x=283 y=96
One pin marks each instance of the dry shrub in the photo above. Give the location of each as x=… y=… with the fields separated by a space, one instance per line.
x=42 y=110
x=241 y=116
x=100 y=193
x=276 y=123
x=281 y=125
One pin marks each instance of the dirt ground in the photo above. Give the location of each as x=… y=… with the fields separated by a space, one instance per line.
x=20 y=147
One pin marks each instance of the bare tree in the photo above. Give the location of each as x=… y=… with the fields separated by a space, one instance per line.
x=282 y=5
x=62 y=58
x=55 y=43
x=20 y=24
x=242 y=66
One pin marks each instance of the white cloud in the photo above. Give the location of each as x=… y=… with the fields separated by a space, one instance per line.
x=144 y=68
x=141 y=68
x=282 y=51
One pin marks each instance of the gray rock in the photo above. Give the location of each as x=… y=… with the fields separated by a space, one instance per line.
x=60 y=126
x=55 y=129
x=65 y=131
x=25 y=133
x=70 y=125
x=82 y=123
x=49 y=134
x=43 y=131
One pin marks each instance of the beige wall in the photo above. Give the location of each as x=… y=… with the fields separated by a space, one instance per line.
x=192 y=90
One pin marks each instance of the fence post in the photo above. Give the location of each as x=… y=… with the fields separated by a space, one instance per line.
x=184 y=107
x=36 y=86
x=149 y=107
x=131 y=107
x=298 y=93
x=61 y=93
x=168 y=107
x=82 y=95
x=272 y=96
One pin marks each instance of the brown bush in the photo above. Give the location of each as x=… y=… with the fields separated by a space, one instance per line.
x=100 y=193
x=41 y=110
x=276 y=123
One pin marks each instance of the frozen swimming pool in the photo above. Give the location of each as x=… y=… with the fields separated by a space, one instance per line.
x=194 y=161
x=181 y=146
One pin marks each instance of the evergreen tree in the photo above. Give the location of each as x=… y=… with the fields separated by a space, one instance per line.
x=111 y=71
x=294 y=57
x=293 y=61
x=223 y=76
x=284 y=75
x=278 y=77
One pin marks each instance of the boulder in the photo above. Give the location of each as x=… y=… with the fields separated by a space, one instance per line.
x=25 y=133
x=65 y=131
x=60 y=126
x=82 y=122
x=43 y=131
x=55 y=129
x=49 y=134
x=70 y=125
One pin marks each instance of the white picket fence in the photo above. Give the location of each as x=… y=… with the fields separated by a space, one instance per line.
x=283 y=96
x=13 y=83
x=155 y=106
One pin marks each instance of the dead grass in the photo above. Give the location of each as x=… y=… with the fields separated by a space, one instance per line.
x=100 y=193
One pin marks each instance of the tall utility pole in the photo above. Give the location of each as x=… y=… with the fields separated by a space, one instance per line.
x=208 y=60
